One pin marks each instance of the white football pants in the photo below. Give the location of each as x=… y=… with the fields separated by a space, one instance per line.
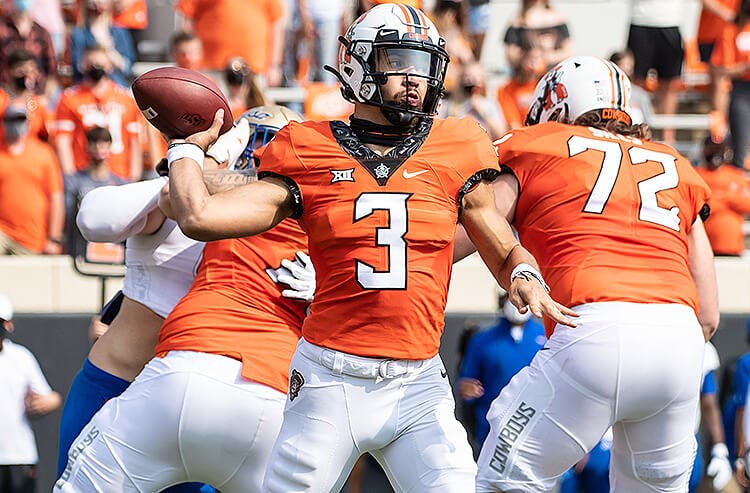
x=188 y=416
x=635 y=367
x=341 y=406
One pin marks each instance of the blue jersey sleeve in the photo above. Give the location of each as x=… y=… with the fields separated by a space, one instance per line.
x=709 y=384
x=741 y=381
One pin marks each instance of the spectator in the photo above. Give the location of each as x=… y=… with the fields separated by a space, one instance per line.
x=24 y=394
x=48 y=13
x=365 y=5
x=223 y=29
x=734 y=413
x=31 y=198
x=716 y=16
x=24 y=75
x=115 y=42
x=321 y=22
x=537 y=25
x=515 y=97
x=186 y=50
x=242 y=87
x=470 y=99
x=97 y=174
x=97 y=101
x=493 y=356
x=730 y=199
x=450 y=19
x=19 y=30
x=656 y=43
x=480 y=14
x=731 y=57
x=641 y=108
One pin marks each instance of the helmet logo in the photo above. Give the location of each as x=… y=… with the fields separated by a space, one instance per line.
x=555 y=91
x=414 y=36
x=258 y=114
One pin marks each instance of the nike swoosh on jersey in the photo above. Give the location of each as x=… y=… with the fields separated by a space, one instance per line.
x=408 y=175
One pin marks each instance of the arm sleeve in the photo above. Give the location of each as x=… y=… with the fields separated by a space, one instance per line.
x=115 y=213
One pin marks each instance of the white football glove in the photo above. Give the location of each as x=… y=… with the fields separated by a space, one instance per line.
x=719 y=467
x=299 y=275
x=230 y=145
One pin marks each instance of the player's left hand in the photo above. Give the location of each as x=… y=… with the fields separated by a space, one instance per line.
x=299 y=275
x=528 y=293
x=229 y=147
x=719 y=467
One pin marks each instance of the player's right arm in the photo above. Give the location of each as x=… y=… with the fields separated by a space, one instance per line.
x=489 y=231
x=243 y=211
x=701 y=264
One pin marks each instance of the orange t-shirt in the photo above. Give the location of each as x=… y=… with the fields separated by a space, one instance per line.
x=607 y=217
x=80 y=109
x=733 y=48
x=134 y=16
x=223 y=28
x=27 y=181
x=711 y=25
x=382 y=247
x=515 y=99
x=235 y=309
x=730 y=200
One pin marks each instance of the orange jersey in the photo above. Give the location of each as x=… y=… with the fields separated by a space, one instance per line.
x=733 y=48
x=711 y=25
x=381 y=229
x=607 y=217
x=223 y=29
x=235 y=309
x=515 y=99
x=134 y=16
x=730 y=200
x=27 y=182
x=80 y=109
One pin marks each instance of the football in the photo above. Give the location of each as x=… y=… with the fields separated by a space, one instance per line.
x=179 y=102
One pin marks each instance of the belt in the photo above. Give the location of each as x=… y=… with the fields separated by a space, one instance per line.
x=359 y=366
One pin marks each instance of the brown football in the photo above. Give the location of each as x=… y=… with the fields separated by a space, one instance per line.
x=179 y=102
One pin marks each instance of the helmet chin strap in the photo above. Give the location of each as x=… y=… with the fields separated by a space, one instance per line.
x=399 y=118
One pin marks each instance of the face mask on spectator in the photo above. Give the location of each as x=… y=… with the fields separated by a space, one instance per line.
x=15 y=130
x=22 y=6
x=20 y=83
x=96 y=73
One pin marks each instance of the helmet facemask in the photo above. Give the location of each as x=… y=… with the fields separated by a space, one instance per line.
x=393 y=43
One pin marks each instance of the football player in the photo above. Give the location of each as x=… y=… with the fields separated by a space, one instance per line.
x=209 y=406
x=616 y=222
x=379 y=199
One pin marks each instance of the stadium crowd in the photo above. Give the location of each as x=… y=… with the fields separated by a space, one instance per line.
x=70 y=124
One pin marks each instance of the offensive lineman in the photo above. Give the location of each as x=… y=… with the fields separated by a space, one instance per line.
x=616 y=222
x=379 y=199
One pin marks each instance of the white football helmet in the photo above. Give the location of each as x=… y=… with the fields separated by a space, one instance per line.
x=392 y=40
x=578 y=85
x=265 y=122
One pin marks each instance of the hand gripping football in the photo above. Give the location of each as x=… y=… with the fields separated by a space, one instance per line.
x=179 y=102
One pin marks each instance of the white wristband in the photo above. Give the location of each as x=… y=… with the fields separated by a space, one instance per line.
x=525 y=270
x=720 y=450
x=185 y=150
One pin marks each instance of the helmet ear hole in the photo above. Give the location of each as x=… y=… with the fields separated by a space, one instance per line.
x=348 y=71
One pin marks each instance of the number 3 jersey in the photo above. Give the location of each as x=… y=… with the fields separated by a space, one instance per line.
x=607 y=217
x=381 y=228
